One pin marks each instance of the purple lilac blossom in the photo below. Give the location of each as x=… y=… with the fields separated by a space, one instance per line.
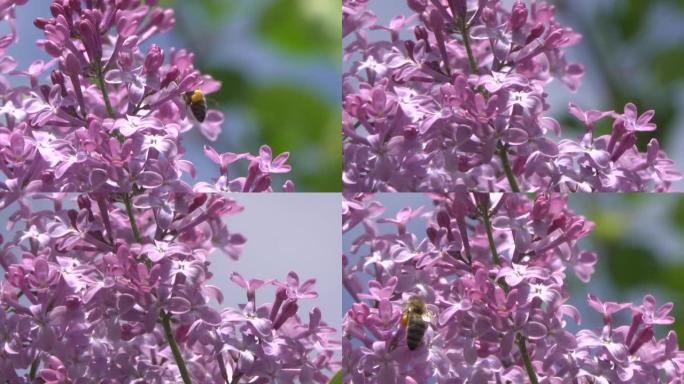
x=492 y=269
x=99 y=293
x=462 y=101
x=105 y=114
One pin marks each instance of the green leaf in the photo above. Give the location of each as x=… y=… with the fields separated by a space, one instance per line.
x=666 y=65
x=672 y=278
x=217 y=8
x=610 y=225
x=213 y=11
x=629 y=16
x=678 y=214
x=301 y=122
x=234 y=86
x=632 y=265
x=337 y=379
x=304 y=27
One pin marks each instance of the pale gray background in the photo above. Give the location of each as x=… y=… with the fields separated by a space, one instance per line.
x=299 y=232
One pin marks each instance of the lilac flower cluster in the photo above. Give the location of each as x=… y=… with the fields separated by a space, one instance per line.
x=492 y=269
x=105 y=114
x=462 y=102
x=117 y=291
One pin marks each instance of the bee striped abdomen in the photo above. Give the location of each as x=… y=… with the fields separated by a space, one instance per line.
x=415 y=331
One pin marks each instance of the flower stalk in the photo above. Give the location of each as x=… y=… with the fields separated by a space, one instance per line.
x=520 y=339
x=522 y=346
x=164 y=317
x=506 y=164
x=432 y=122
x=502 y=150
x=177 y=355
x=463 y=27
x=100 y=79
x=34 y=368
x=58 y=126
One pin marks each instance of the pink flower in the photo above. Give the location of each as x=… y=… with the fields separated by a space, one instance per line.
x=497 y=298
x=105 y=114
x=435 y=104
x=120 y=278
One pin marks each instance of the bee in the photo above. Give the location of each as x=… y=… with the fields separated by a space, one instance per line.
x=416 y=319
x=197 y=103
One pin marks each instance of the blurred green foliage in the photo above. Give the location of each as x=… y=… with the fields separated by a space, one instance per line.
x=307 y=27
x=290 y=115
x=634 y=266
x=634 y=64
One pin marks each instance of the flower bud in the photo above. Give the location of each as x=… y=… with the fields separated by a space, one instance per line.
x=489 y=17
x=52 y=49
x=644 y=337
x=90 y=37
x=45 y=91
x=125 y=59
x=40 y=22
x=197 y=202
x=280 y=296
x=289 y=309
x=417 y=6
x=57 y=77
x=125 y=26
x=443 y=219
x=154 y=59
x=518 y=15
x=83 y=202
x=628 y=141
x=157 y=16
x=56 y=9
x=410 y=133
x=420 y=32
x=75 y=5
x=537 y=31
x=168 y=20
x=170 y=76
x=262 y=183
x=554 y=39
x=459 y=8
x=73 y=302
x=73 y=217
x=410 y=45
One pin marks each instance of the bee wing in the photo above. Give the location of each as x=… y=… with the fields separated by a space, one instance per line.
x=428 y=317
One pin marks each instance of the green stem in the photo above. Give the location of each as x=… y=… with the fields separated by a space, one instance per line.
x=103 y=88
x=131 y=218
x=526 y=359
x=164 y=317
x=503 y=154
x=34 y=369
x=166 y=322
x=520 y=339
x=466 y=42
x=490 y=235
